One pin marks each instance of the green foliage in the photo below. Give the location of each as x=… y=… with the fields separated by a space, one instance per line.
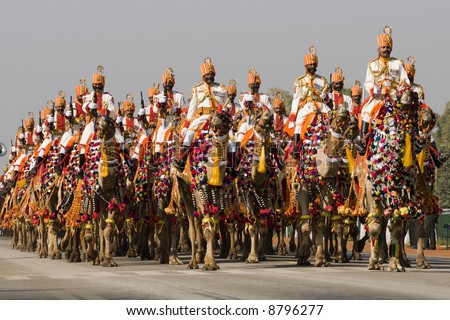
x=442 y=137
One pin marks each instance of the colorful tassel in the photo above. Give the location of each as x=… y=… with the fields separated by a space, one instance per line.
x=408 y=157
x=262 y=161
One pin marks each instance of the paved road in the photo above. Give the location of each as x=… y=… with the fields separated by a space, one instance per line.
x=24 y=276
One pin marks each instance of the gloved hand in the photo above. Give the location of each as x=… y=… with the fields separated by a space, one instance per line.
x=248 y=97
x=93 y=106
x=259 y=105
x=184 y=131
x=141 y=112
x=324 y=96
x=119 y=120
x=21 y=136
x=68 y=113
x=38 y=129
x=162 y=98
x=376 y=89
x=50 y=119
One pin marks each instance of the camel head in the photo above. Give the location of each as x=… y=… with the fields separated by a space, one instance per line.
x=264 y=123
x=106 y=128
x=220 y=123
x=340 y=119
x=427 y=120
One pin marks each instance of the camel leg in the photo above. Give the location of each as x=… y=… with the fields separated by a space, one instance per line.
x=262 y=243
x=209 y=234
x=340 y=255
x=193 y=263
x=304 y=247
x=75 y=251
x=108 y=235
x=404 y=261
x=130 y=233
x=43 y=249
x=395 y=247
x=175 y=237
x=232 y=254
x=282 y=248
x=375 y=245
x=321 y=260
x=253 y=233
x=421 y=261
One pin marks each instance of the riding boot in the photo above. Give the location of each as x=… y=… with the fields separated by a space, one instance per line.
x=81 y=164
x=152 y=166
x=296 y=145
x=33 y=170
x=59 y=165
x=361 y=142
x=181 y=162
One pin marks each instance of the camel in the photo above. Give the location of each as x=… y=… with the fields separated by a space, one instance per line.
x=392 y=180
x=205 y=185
x=257 y=184
x=321 y=157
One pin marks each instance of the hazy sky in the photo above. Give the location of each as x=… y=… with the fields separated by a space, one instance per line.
x=48 y=45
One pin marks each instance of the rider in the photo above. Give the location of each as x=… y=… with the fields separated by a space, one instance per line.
x=356 y=98
x=310 y=98
x=207 y=98
x=337 y=96
x=232 y=91
x=280 y=117
x=260 y=100
x=74 y=119
x=96 y=103
x=385 y=76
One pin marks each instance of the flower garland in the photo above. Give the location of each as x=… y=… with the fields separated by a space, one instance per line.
x=91 y=167
x=141 y=193
x=162 y=186
x=246 y=184
x=393 y=184
x=49 y=173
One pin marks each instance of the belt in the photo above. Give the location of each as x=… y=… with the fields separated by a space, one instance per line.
x=205 y=110
x=312 y=99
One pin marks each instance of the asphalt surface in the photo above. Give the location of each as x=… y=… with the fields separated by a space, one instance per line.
x=24 y=276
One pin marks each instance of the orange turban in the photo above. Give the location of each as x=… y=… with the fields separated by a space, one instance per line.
x=153 y=91
x=59 y=100
x=80 y=90
x=207 y=67
x=356 y=91
x=311 y=57
x=253 y=76
x=128 y=105
x=98 y=77
x=168 y=76
x=231 y=88
x=385 y=39
x=45 y=112
x=337 y=76
x=410 y=70
x=29 y=121
x=277 y=102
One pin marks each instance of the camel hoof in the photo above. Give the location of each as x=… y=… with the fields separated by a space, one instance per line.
x=175 y=261
x=303 y=262
x=233 y=256
x=210 y=268
x=252 y=259
x=192 y=266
